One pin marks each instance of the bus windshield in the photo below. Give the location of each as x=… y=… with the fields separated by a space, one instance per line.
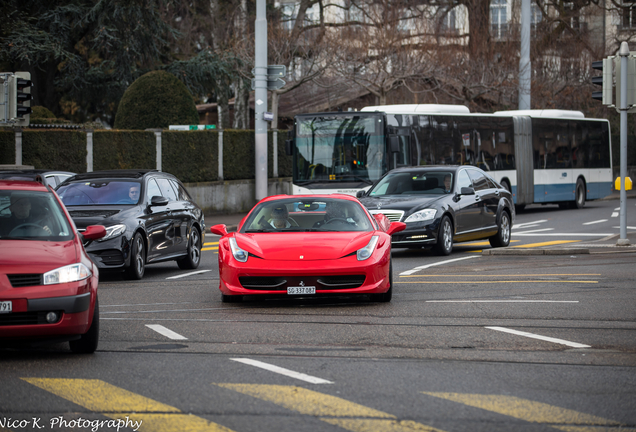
x=337 y=147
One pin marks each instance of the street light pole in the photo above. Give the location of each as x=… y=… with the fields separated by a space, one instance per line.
x=623 y=54
x=260 y=96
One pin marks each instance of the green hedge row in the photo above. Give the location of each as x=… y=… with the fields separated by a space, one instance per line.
x=192 y=156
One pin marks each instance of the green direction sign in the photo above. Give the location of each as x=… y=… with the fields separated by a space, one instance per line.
x=272 y=83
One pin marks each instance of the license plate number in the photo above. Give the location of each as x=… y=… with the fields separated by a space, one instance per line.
x=6 y=307
x=301 y=290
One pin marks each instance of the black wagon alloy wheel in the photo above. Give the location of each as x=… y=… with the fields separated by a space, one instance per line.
x=444 y=245
x=502 y=238
x=138 y=258
x=193 y=258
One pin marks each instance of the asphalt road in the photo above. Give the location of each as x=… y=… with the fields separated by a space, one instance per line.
x=470 y=342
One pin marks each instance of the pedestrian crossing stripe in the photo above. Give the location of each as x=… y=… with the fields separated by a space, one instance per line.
x=116 y=403
x=330 y=409
x=534 y=412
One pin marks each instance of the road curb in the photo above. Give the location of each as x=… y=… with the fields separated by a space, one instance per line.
x=521 y=251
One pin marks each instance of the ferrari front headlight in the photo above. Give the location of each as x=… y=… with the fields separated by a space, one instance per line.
x=367 y=251
x=239 y=254
x=69 y=273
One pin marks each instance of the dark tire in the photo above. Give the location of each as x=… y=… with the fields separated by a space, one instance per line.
x=87 y=343
x=231 y=298
x=386 y=296
x=502 y=238
x=444 y=245
x=192 y=260
x=579 y=195
x=137 y=259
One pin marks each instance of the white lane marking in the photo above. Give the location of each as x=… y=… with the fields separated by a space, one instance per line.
x=521 y=225
x=525 y=226
x=416 y=269
x=631 y=228
x=283 y=371
x=502 y=301
x=545 y=338
x=615 y=214
x=166 y=332
x=142 y=304
x=617 y=208
x=187 y=274
x=536 y=231
x=533 y=234
x=595 y=222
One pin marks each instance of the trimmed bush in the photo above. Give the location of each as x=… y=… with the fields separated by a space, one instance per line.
x=124 y=150
x=59 y=150
x=7 y=147
x=191 y=156
x=156 y=100
x=40 y=112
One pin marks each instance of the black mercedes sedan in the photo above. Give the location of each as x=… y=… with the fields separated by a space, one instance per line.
x=149 y=217
x=441 y=205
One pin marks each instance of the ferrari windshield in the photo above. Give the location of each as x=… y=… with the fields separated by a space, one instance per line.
x=308 y=215
x=100 y=192
x=32 y=215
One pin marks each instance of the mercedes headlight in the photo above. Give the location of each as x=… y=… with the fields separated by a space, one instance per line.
x=113 y=231
x=69 y=273
x=422 y=215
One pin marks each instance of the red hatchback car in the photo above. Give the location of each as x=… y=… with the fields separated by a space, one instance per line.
x=307 y=245
x=48 y=284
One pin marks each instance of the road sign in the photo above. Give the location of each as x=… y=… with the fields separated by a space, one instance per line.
x=272 y=83
x=274 y=71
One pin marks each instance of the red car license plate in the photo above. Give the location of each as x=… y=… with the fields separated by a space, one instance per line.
x=6 y=306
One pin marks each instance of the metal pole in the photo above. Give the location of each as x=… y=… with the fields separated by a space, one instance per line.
x=260 y=107
x=89 y=150
x=623 y=53
x=525 y=77
x=158 y=141
x=275 y=133
x=18 y=146
x=220 y=174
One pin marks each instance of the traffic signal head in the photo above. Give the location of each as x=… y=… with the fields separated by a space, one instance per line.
x=23 y=97
x=605 y=81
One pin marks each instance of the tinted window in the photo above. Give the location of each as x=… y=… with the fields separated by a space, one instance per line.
x=152 y=189
x=167 y=189
x=182 y=193
x=463 y=180
x=479 y=180
x=98 y=191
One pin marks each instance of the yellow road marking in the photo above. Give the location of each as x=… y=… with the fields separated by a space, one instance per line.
x=481 y=243
x=211 y=243
x=330 y=409
x=210 y=248
x=497 y=282
x=550 y=243
x=530 y=411
x=518 y=275
x=117 y=403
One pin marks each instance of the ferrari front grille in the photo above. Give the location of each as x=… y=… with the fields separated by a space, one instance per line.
x=25 y=280
x=280 y=283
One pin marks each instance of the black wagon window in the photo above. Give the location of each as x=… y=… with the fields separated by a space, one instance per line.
x=479 y=180
x=167 y=189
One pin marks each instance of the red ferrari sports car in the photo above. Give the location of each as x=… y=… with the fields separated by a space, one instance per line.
x=307 y=245
x=48 y=284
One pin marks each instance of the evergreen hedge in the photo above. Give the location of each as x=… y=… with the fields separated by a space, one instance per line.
x=192 y=156
x=156 y=100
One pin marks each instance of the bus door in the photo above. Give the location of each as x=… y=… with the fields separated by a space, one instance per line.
x=403 y=156
x=525 y=191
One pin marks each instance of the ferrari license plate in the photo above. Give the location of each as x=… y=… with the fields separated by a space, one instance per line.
x=301 y=290
x=6 y=306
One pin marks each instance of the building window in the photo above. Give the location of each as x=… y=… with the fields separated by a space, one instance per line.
x=449 y=22
x=499 y=18
x=628 y=18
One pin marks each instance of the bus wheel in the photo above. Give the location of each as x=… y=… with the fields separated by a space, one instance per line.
x=579 y=197
x=506 y=185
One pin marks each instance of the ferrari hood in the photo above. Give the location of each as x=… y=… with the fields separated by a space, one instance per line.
x=303 y=246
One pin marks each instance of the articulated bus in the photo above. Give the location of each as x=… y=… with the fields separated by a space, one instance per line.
x=541 y=156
